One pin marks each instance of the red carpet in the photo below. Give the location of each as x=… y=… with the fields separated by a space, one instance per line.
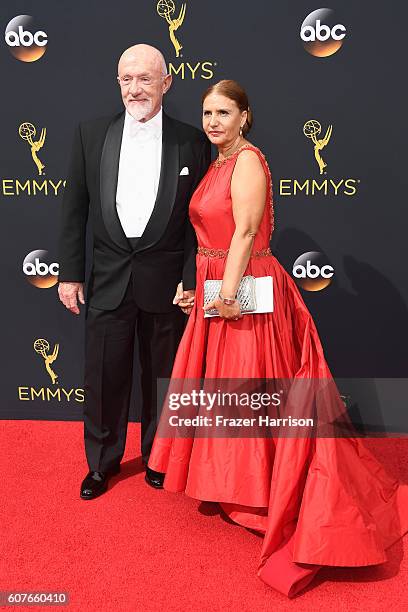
x=135 y=548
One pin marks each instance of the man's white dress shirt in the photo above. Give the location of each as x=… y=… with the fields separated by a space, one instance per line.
x=139 y=172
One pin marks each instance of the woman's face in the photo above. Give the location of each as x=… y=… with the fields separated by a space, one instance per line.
x=222 y=119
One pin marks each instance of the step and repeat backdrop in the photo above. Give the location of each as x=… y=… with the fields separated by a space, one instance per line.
x=328 y=90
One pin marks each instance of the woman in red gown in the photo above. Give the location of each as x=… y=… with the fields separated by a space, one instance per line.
x=320 y=501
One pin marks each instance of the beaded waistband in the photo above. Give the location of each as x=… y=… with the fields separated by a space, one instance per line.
x=220 y=253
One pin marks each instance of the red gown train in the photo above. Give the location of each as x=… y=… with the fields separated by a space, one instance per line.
x=321 y=501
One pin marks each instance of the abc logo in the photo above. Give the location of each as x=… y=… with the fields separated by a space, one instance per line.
x=320 y=33
x=39 y=271
x=25 y=41
x=312 y=271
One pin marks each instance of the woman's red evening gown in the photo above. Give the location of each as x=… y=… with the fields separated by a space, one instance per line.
x=322 y=501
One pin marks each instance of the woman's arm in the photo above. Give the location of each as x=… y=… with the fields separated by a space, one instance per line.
x=248 y=193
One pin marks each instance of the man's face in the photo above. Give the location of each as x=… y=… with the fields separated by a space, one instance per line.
x=142 y=86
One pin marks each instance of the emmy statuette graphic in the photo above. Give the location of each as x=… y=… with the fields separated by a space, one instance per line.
x=311 y=129
x=165 y=9
x=27 y=132
x=42 y=347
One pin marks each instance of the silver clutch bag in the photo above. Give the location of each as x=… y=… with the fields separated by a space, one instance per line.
x=245 y=294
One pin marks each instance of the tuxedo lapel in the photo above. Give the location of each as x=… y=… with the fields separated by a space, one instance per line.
x=167 y=189
x=109 y=168
x=166 y=192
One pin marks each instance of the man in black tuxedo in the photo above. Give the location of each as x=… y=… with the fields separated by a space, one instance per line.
x=133 y=176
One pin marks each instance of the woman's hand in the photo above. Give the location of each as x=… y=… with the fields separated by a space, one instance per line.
x=187 y=302
x=229 y=312
x=185 y=299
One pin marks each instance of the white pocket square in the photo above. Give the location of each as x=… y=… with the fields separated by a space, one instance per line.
x=184 y=171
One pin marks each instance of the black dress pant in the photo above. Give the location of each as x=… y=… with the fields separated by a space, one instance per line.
x=109 y=348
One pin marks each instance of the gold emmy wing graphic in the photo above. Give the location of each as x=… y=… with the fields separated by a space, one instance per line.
x=312 y=129
x=27 y=132
x=165 y=9
x=42 y=347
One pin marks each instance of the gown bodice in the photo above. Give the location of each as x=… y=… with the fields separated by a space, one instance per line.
x=211 y=206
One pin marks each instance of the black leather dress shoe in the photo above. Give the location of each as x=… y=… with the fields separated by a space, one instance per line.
x=96 y=483
x=154 y=479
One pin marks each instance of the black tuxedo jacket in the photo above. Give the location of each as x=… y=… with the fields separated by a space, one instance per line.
x=165 y=254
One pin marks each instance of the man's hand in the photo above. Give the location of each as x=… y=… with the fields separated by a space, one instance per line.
x=185 y=299
x=69 y=293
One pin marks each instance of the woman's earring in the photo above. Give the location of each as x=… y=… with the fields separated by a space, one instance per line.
x=240 y=131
